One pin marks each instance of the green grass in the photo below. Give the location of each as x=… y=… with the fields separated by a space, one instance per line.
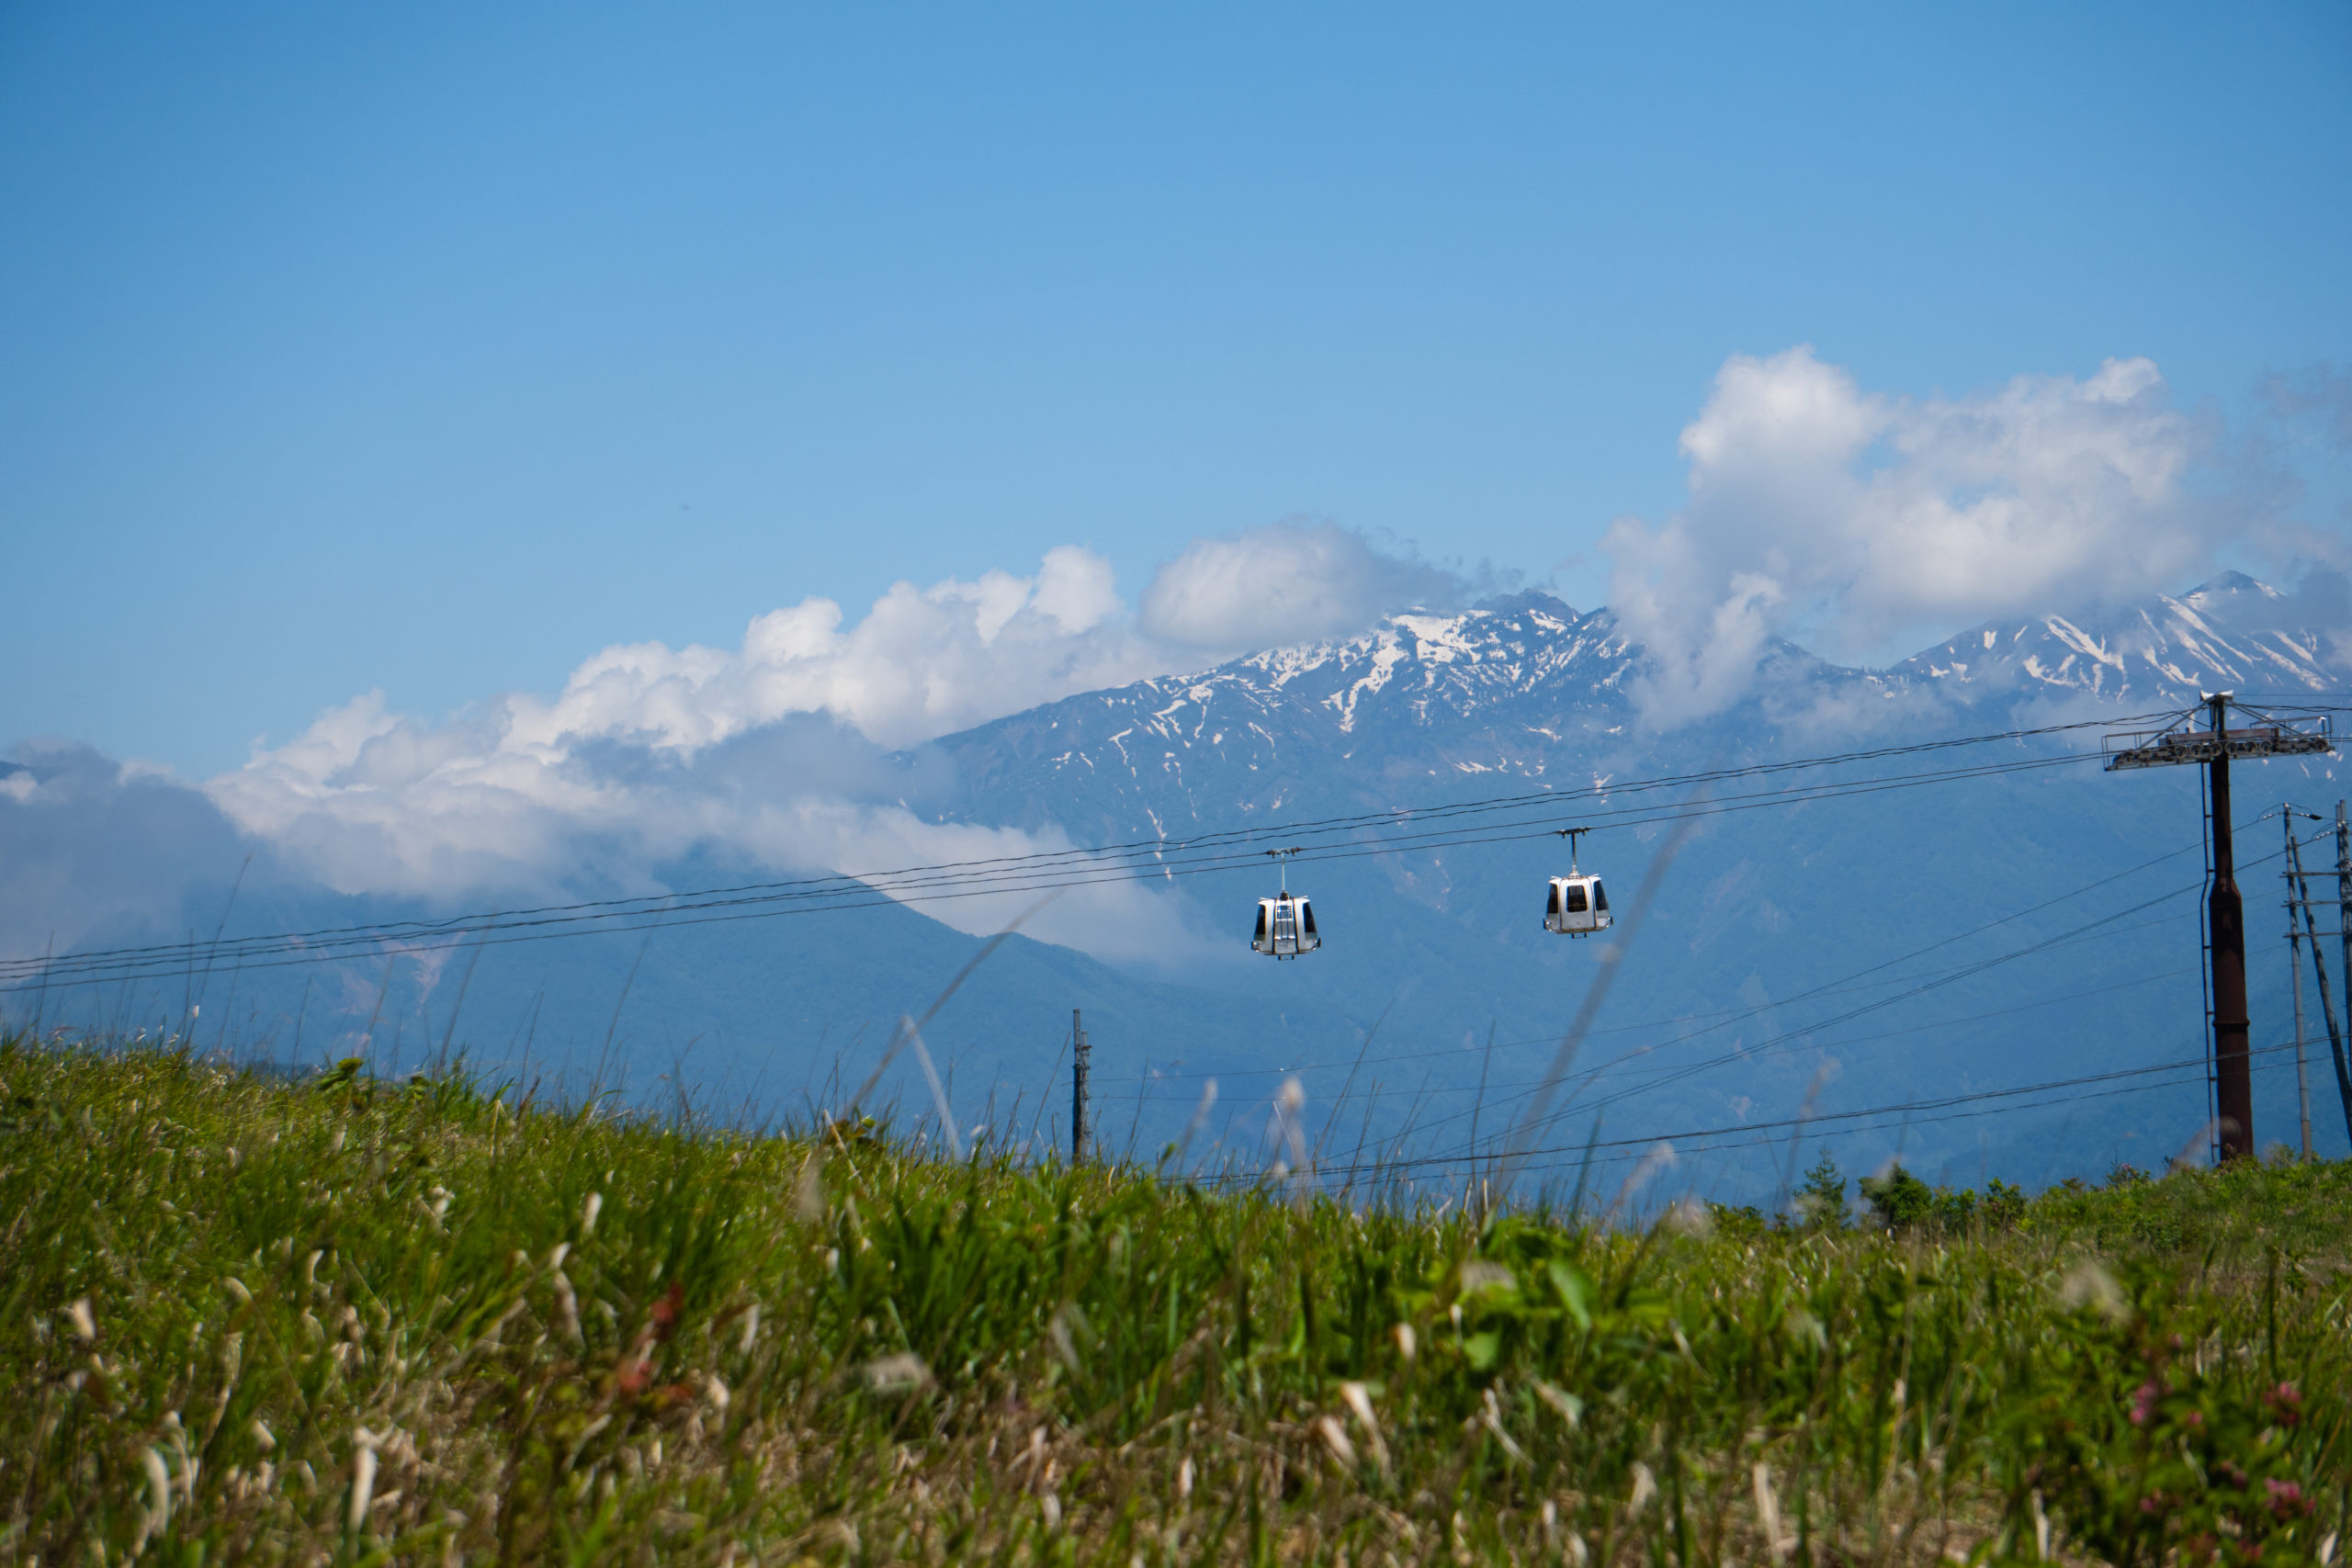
x=252 y=1319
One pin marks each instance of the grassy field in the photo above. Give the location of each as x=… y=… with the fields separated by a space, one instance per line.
x=340 y=1320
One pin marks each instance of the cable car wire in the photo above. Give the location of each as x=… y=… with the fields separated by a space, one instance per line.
x=1854 y=1040
x=1798 y=1036
x=919 y=884
x=1724 y=1017
x=462 y=924
x=1794 y=1038
x=1973 y=1105
x=1910 y=1108
x=1014 y=875
x=1791 y=1039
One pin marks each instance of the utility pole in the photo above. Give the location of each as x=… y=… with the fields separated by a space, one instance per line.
x=2181 y=741
x=1077 y=1085
x=2300 y=889
x=2225 y=919
x=2338 y=1048
x=2343 y=899
x=2287 y=815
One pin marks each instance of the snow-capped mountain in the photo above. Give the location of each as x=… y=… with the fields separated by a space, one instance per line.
x=1528 y=687
x=1819 y=953
x=2232 y=634
x=1418 y=708
x=1527 y=692
x=1495 y=689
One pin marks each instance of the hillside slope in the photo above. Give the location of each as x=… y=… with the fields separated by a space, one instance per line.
x=1821 y=957
x=1763 y=905
x=248 y=1320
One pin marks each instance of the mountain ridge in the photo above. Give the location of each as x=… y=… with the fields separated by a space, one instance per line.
x=1527 y=684
x=1423 y=708
x=2181 y=647
x=1428 y=953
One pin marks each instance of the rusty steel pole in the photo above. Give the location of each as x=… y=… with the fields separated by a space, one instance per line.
x=2297 y=896
x=2268 y=735
x=1078 y=1064
x=2225 y=915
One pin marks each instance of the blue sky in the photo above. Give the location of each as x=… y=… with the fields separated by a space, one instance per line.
x=431 y=348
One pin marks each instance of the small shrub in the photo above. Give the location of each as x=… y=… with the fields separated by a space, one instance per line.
x=1900 y=1199
x=1742 y=1221
x=2003 y=1204
x=1901 y=1202
x=1822 y=1199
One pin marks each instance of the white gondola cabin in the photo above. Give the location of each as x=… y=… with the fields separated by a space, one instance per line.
x=1578 y=905
x=1285 y=927
x=1285 y=921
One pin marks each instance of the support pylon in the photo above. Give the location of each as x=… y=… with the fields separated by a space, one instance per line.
x=2225 y=919
x=1077 y=1058
x=2264 y=734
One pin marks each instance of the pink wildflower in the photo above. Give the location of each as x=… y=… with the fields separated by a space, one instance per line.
x=2287 y=1499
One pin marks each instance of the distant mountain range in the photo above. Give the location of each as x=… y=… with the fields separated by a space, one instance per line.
x=1526 y=690
x=2232 y=634
x=1528 y=687
x=1898 y=948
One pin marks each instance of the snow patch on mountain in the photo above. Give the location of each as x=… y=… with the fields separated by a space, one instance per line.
x=2163 y=651
x=1529 y=688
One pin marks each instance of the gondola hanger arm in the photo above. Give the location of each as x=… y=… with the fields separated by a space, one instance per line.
x=1571 y=835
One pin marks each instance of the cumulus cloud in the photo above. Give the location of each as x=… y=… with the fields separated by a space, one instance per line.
x=778 y=753
x=1287 y=582
x=784 y=749
x=923 y=663
x=399 y=809
x=372 y=799
x=801 y=750
x=636 y=744
x=1849 y=516
x=84 y=840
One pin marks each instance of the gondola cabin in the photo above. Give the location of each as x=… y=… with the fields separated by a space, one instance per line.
x=1577 y=907
x=1285 y=927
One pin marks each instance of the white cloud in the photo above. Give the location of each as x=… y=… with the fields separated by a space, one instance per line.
x=1288 y=582
x=84 y=840
x=370 y=799
x=1121 y=921
x=923 y=662
x=775 y=752
x=1850 y=516
x=374 y=802
x=788 y=751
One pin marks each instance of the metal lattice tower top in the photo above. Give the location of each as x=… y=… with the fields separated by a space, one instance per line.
x=2185 y=740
